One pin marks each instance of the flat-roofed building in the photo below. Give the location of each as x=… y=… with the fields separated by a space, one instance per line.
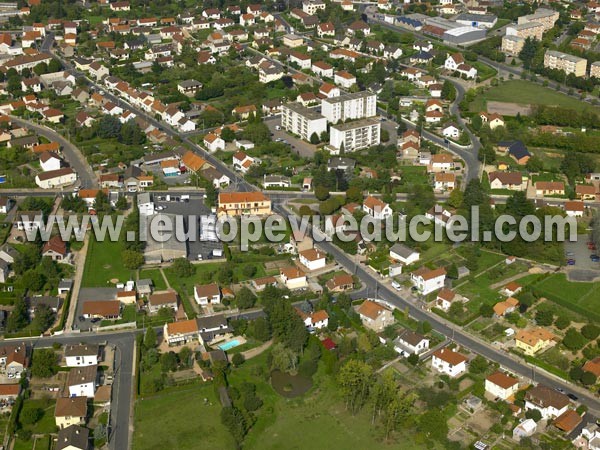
x=355 y=135
x=565 y=62
x=302 y=121
x=358 y=105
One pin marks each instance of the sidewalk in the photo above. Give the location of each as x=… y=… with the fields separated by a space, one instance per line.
x=79 y=262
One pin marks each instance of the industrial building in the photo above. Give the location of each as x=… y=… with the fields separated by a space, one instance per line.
x=477 y=20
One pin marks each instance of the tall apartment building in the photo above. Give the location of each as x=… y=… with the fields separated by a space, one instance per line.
x=512 y=45
x=302 y=121
x=565 y=62
x=527 y=29
x=595 y=69
x=355 y=135
x=547 y=17
x=357 y=105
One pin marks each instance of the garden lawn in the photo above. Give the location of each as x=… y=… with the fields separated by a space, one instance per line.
x=157 y=279
x=180 y=419
x=581 y=298
x=529 y=93
x=104 y=263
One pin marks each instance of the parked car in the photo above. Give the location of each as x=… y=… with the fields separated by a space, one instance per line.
x=571 y=262
x=595 y=258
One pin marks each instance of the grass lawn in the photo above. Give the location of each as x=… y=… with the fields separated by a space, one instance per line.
x=103 y=263
x=157 y=279
x=529 y=93
x=582 y=298
x=180 y=418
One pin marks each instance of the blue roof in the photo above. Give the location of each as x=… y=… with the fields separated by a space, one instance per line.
x=409 y=21
x=424 y=55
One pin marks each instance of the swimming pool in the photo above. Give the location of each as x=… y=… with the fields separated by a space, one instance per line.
x=229 y=345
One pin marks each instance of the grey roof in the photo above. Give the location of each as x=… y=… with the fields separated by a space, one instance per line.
x=212 y=322
x=81 y=350
x=144 y=198
x=308 y=113
x=144 y=282
x=340 y=162
x=73 y=437
x=356 y=124
x=82 y=375
x=189 y=84
x=50 y=302
x=402 y=250
x=410 y=337
x=477 y=17
x=10 y=251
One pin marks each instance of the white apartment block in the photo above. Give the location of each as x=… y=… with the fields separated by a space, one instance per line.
x=547 y=17
x=565 y=62
x=595 y=69
x=301 y=121
x=512 y=45
x=357 y=105
x=527 y=29
x=355 y=135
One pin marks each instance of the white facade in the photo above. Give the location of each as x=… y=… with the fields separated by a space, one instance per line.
x=448 y=362
x=503 y=391
x=302 y=121
x=83 y=360
x=312 y=259
x=54 y=178
x=427 y=281
x=355 y=135
x=83 y=390
x=358 y=105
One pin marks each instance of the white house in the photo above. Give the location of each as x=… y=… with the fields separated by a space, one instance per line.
x=50 y=161
x=427 y=280
x=208 y=294
x=501 y=385
x=344 y=79
x=312 y=259
x=214 y=142
x=145 y=204
x=317 y=320
x=449 y=362
x=81 y=355
x=410 y=343
x=242 y=162
x=55 y=178
x=376 y=208
x=445 y=298
x=404 y=254
x=82 y=381
x=293 y=278
x=574 y=208
x=451 y=131
x=549 y=402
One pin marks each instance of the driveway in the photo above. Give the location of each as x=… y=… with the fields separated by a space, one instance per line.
x=86 y=294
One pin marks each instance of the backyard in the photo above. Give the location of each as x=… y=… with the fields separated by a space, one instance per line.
x=103 y=264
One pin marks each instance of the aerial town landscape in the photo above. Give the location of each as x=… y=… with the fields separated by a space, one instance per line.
x=331 y=124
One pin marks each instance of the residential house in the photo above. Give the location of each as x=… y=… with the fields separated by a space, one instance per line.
x=81 y=355
x=507 y=180
x=260 y=284
x=444 y=181
x=502 y=386
x=533 y=340
x=449 y=362
x=404 y=254
x=73 y=437
x=445 y=298
x=548 y=188
x=428 y=280
x=548 y=401
x=213 y=142
x=55 y=248
x=410 y=343
x=208 y=294
x=160 y=300
x=293 y=278
x=70 y=411
x=82 y=381
x=13 y=360
x=574 y=208
x=511 y=289
x=493 y=120
x=585 y=192
x=180 y=332
x=314 y=320
x=103 y=309
x=340 y=283
x=375 y=316
x=505 y=307
x=312 y=259
x=243 y=203
x=376 y=208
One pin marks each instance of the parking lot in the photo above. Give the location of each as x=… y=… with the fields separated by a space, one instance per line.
x=202 y=241
x=584 y=268
x=297 y=145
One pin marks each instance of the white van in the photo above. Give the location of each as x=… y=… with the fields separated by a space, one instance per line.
x=396 y=285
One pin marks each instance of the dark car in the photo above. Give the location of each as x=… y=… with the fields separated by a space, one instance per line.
x=595 y=258
x=95 y=319
x=573 y=397
x=570 y=262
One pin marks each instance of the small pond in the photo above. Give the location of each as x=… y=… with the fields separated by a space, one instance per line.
x=289 y=386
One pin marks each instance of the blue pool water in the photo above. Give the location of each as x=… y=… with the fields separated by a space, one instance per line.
x=229 y=345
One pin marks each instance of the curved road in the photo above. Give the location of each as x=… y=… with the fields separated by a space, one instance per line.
x=73 y=155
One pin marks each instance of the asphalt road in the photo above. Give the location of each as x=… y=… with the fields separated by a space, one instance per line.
x=72 y=153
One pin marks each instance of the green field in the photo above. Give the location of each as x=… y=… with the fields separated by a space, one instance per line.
x=103 y=263
x=157 y=279
x=582 y=298
x=527 y=93
x=182 y=419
